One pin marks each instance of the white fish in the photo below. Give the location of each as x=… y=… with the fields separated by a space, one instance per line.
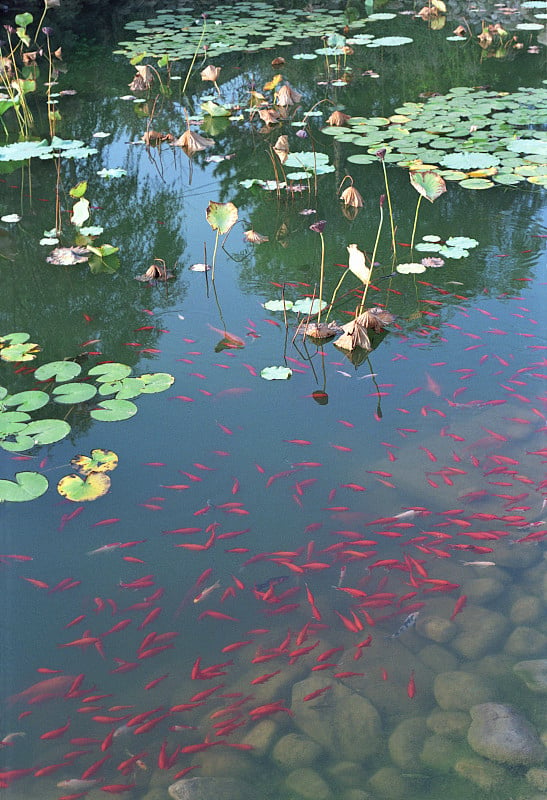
x=79 y=784
x=478 y=563
x=9 y=737
x=106 y=548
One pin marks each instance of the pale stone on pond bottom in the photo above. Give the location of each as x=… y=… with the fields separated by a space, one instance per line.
x=210 y=789
x=459 y=690
x=308 y=784
x=438 y=629
x=480 y=772
x=501 y=733
x=438 y=658
x=534 y=674
x=261 y=737
x=481 y=630
x=525 y=610
x=347 y=773
x=295 y=750
x=406 y=742
x=388 y=782
x=440 y=754
x=451 y=724
x=538 y=778
x=526 y=641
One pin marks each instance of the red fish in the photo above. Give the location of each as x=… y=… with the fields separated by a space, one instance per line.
x=44 y=690
x=459 y=606
x=411 y=686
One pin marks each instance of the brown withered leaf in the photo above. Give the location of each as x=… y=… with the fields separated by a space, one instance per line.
x=355 y=335
x=155 y=272
x=254 y=238
x=193 y=142
x=338 y=118
x=143 y=79
x=30 y=57
x=287 y=96
x=154 y=138
x=377 y=318
x=352 y=197
x=68 y=256
x=268 y=116
x=281 y=148
x=278 y=62
x=322 y=330
x=210 y=73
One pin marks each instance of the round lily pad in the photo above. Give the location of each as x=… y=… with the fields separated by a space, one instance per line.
x=410 y=268
x=19 y=352
x=100 y=461
x=278 y=305
x=476 y=183
x=114 y=410
x=73 y=393
x=126 y=389
x=47 y=431
x=81 y=490
x=305 y=306
x=26 y=486
x=60 y=370
x=112 y=371
x=275 y=373
x=461 y=241
x=27 y=401
x=156 y=382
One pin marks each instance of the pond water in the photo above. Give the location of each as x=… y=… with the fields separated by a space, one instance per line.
x=312 y=585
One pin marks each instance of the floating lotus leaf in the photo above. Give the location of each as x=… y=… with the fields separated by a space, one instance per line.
x=307 y=160
x=114 y=410
x=60 y=370
x=215 y=110
x=3 y=392
x=79 y=490
x=453 y=252
x=27 y=401
x=476 y=183
x=14 y=338
x=221 y=216
x=91 y=230
x=47 y=431
x=427 y=247
x=278 y=305
x=100 y=461
x=26 y=486
x=113 y=172
x=156 y=382
x=11 y=218
x=26 y=351
x=390 y=41
x=469 y=160
x=124 y=389
x=275 y=373
x=362 y=158
x=530 y=146
x=73 y=393
x=10 y=418
x=464 y=242
x=113 y=371
x=412 y=268
x=307 y=307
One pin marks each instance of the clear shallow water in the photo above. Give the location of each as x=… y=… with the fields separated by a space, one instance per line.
x=445 y=416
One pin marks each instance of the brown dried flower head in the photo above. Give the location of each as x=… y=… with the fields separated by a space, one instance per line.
x=210 y=73
x=352 y=197
x=338 y=118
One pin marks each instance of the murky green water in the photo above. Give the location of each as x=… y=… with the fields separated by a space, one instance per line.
x=301 y=479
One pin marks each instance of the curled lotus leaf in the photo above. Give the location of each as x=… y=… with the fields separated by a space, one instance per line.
x=72 y=393
x=156 y=382
x=27 y=401
x=428 y=184
x=114 y=410
x=221 y=216
x=60 y=370
x=81 y=490
x=113 y=371
x=26 y=486
x=100 y=461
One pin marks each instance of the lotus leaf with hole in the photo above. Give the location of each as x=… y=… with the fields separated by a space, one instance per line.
x=275 y=373
x=25 y=351
x=26 y=486
x=82 y=490
x=100 y=461
x=59 y=370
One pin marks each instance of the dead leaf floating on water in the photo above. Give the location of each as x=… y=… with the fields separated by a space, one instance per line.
x=153 y=138
x=287 y=96
x=357 y=263
x=355 y=335
x=193 y=142
x=268 y=116
x=278 y=62
x=322 y=330
x=377 y=318
x=143 y=80
x=156 y=272
x=254 y=238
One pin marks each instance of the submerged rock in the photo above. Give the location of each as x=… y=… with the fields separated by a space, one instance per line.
x=438 y=629
x=481 y=630
x=347 y=773
x=210 y=789
x=451 y=724
x=261 y=737
x=295 y=750
x=349 y=726
x=534 y=674
x=501 y=733
x=308 y=784
x=480 y=772
x=525 y=610
x=526 y=641
x=438 y=658
x=459 y=690
x=538 y=778
x=389 y=783
x=439 y=754
x=406 y=742
x=482 y=590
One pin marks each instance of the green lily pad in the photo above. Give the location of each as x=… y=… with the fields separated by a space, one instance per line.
x=113 y=172
x=306 y=160
x=428 y=184
x=100 y=461
x=305 y=306
x=14 y=338
x=411 y=268
x=27 y=401
x=221 y=216
x=390 y=41
x=464 y=242
x=469 y=160
x=476 y=183
x=124 y=389
x=60 y=370
x=27 y=486
x=47 y=431
x=114 y=410
x=82 y=490
x=73 y=393
x=111 y=371
x=156 y=382
x=278 y=305
x=215 y=110
x=453 y=252
x=275 y=373
x=362 y=158
x=9 y=418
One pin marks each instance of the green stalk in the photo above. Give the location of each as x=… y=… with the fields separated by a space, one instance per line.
x=415 y=223
x=393 y=244
x=338 y=285
x=39 y=26
x=362 y=306
x=214 y=257
x=190 y=68
x=321 y=276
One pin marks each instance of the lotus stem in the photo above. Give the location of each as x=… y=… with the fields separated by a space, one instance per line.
x=393 y=244
x=415 y=223
x=362 y=306
x=42 y=18
x=214 y=257
x=321 y=277
x=190 y=68
x=338 y=285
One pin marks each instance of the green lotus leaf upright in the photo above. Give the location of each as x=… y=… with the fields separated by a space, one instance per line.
x=221 y=217
x=428 y=184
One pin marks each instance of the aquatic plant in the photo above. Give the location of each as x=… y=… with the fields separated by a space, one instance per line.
x=221 y=217
x=428 y=184
x=19 y=433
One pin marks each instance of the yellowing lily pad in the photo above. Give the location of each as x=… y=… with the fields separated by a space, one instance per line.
x=221 y=216
x=81 y=490
x=100 y=461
